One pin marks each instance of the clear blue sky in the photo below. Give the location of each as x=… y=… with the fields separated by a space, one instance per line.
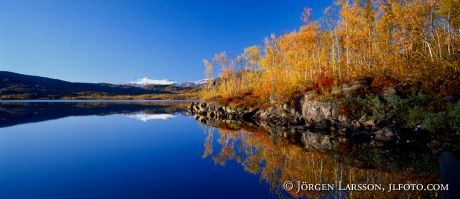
x=120 y=40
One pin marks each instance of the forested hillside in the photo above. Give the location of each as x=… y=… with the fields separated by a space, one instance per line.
x=14 y=86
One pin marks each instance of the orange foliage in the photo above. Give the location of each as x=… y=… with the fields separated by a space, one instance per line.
x=413 y=42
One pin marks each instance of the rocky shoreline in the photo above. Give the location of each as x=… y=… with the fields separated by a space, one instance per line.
x=289 y=123
x=320 y=125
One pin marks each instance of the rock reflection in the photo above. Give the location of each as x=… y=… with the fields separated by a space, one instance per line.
x=278 y=160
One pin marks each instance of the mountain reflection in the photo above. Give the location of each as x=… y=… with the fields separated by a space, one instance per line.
x=15 y=113
x=147 y=117
x=278 y=161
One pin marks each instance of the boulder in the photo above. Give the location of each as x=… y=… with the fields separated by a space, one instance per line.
x=315 y=111
x=385 y=135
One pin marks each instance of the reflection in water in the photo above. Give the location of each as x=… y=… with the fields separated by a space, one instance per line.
x=111 y=156
x=277 y=161
x=14 y=113
x=276 y=157
x=145 y=117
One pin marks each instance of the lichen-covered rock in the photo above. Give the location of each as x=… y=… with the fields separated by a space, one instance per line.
x=314 y=110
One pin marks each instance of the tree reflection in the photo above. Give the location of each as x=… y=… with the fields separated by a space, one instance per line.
x=227 y=140
x=279 y=161
x=208 y=145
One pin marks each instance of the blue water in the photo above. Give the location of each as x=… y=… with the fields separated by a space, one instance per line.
x=153 y=149
x=114 y=156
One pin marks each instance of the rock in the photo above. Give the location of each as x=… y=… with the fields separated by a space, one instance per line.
x=344 y=119
x=342 y=139
x=257 y=114
x=356 y=124
x=368 y=123
x=252 y=110
x=343 y=132
x=385 y=135
x=333 y=129
x=285 y=106
x=232 y=116
x=271 y=111
x=212 y=108
x=365 y=121
x=322 y=125
x=315 y=111
x=316 y=141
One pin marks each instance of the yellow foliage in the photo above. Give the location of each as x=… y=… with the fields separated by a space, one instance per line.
x=414 y=41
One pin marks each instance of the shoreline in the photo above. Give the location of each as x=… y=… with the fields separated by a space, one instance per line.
x=92 y=100
x=364 y=147
x=340 y=119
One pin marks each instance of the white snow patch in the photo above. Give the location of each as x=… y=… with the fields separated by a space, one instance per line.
x=147 y=81
x=147 y=117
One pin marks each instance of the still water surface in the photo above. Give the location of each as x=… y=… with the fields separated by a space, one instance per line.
x=155 y=150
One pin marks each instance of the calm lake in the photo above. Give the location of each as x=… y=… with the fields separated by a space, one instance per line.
x=98 y=149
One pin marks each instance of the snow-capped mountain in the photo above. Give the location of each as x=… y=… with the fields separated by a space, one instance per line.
x=193 y=84
x=147 y=81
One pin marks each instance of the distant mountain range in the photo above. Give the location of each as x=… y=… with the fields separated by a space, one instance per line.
x=146 y=81
x=197 y=83
x=19 y=86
